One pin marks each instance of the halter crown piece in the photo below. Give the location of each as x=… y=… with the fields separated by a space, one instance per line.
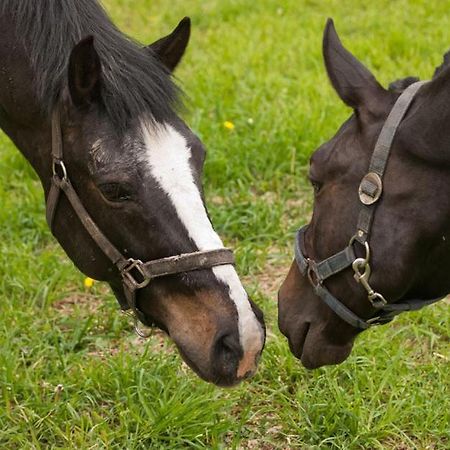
x=370 y=191
x=135 y=273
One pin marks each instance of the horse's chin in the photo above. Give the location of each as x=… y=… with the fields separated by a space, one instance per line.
x=314 y=350
x=206 y=375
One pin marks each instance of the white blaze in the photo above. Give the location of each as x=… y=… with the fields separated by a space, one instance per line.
x=168 y=156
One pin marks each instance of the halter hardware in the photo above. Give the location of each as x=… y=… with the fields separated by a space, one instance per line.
x=362 y=274
x=143 y=333
x=370 y=191
x=129 y=272
x=135 y=274
x=59 y=164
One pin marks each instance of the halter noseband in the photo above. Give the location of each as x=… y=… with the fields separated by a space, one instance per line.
x=135 y=273
x=370 y=191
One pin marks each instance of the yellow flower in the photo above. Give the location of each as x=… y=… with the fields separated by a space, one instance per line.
x=88 y=282
x=228 y=125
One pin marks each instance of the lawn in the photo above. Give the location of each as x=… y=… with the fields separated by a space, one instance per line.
x=73 y=374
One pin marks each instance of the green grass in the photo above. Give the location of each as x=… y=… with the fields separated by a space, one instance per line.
x=247 y=60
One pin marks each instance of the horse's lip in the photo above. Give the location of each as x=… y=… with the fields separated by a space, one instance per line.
x=191 y=363
x=297 y=341
x=215 y=381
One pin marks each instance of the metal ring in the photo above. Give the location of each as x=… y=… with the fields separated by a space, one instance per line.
x=144 y=333
x=366 y=247
x=141 y=332
x=58 y=162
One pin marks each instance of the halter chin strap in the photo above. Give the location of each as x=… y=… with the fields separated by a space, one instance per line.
x=370 y=191
x=135 y=273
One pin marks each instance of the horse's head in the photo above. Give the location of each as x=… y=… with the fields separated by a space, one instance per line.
x=139 y=177
x=409 y=239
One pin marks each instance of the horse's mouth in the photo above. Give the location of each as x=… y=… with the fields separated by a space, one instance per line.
x=211 y=349
x=314 y=350
x=297 y=346
x=221 y=381
x=297 y=340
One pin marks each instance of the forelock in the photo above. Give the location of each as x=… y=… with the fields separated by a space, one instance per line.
x=134 y=82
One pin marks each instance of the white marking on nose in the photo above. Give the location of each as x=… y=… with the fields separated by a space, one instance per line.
x=168 y=156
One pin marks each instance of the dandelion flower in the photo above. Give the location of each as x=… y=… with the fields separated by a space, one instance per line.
x=228 y=125
x=88 y=282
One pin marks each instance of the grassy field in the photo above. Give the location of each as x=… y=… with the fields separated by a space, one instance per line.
x=73 y=374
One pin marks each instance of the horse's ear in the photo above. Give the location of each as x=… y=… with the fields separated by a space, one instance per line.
x=84 y=73
x=170 y=49
x=353 y=82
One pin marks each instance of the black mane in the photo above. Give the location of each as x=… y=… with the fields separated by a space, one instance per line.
x=133 y=81
x=401 y=84
x=445 y=64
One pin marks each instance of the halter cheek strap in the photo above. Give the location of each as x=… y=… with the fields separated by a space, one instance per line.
x=371 y=186
x=135 y=273
x=370 y=191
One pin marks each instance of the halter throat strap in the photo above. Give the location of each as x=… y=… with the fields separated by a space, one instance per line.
x=370 y=192
x=135 y=273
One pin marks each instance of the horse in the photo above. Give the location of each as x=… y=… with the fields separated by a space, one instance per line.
x=377 y=243
x=97 y=116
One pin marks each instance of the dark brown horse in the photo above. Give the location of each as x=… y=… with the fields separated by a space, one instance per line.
x=379 y=239
x=78 y=96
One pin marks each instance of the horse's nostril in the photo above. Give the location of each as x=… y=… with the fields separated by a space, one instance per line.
x=228 y=347
x=227 y=354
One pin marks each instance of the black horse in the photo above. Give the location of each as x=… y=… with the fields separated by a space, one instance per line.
x=79 y=97
x=392 y=228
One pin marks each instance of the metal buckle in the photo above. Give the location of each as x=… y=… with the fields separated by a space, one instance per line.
x=129 y=277
x=57 y=163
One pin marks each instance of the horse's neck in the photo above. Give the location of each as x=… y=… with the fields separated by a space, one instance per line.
x=20 y=114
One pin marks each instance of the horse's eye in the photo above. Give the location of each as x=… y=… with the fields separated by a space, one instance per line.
x=316 y=186
x=115 y=192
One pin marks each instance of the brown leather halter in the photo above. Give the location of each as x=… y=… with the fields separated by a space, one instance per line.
x=135 y=273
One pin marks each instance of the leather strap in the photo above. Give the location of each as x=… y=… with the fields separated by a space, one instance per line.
x=52 y=202
x=57 y=155
x=384 y=315
x=57 y=142
x=339 y=308
x=302 y=261
x=335 y=264
x=187 y=262
x=326 y=268
x=90 y=226
x=410 y=305
x=381 y=154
